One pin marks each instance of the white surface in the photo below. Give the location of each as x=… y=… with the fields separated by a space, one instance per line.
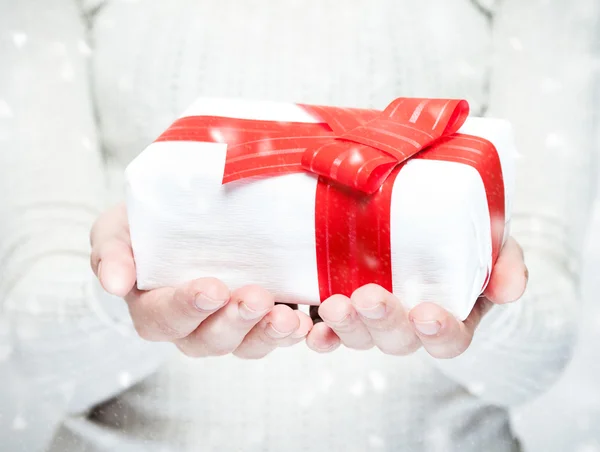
x=185 y=224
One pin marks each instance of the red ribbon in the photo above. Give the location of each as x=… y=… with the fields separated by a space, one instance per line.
x=356 y=154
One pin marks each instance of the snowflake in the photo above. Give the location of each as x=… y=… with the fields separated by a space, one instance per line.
x=376 y=441
x=5 y=110
x=124 y=379
x=589 y=447
x=467 y=70
x=355 y=156
x=412 y=291
x=256 y=436
x=306 y=398
x=125 y=83
x=19 y=39
x=555 y=323
x=516 y=44
x=84 y=48
x=59 y=48
x=476 y=388
x=5 y=352
x=86 y=142
x=357 y=389
x=438 y=440
x=217 y=136
x=377 y=381
x=550 y=85
x=67 y=72
x=327 y=382
x=19 y=423
x=554 y=140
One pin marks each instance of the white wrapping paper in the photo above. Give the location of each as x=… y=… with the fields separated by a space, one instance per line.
x=185 y=224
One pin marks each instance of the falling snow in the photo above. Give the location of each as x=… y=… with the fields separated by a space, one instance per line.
x=476 y=388
x=19 y=423
x=19 y=39
x=86 y=143
x=589 y=447
x=307 y=398
x=377 y=381
x=516 y=44
x=327 y=382
x=357 y=389
x=124 y=379
x=376 y=441
x=550 y=85
x=5 y=110
x=438 y=440
x=355 y=157
x=217 y=136
x=67 y=72
x=554 y=140
x=84 y=48
x=5 y=352
x=59 y=48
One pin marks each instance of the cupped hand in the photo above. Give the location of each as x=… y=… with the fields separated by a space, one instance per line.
x=373 y=317
x=202 y=318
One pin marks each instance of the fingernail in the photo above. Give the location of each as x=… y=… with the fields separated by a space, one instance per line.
x=428 y=328
x=374 y=313
x=247 y=313
x=205 y=303
x=112 y=279
x=275 y=333
x=338 y=318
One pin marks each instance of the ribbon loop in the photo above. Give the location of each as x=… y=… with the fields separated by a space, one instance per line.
x=363 y=153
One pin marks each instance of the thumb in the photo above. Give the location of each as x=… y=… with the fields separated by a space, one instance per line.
x=112 y=257
x=116 y=268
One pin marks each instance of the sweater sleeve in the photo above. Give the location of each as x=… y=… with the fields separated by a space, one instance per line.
x=63 y=347
x=543 y=81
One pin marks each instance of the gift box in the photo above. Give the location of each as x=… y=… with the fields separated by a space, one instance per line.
x=309 y=201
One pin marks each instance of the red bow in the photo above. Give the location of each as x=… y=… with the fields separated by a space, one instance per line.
x=358 y=149
x=364 y=152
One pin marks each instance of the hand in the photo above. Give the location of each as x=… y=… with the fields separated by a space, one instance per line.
x=373 y=317
x=202 y=318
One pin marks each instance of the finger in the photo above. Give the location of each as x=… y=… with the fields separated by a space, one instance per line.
x=386 y=320
x=111 y=258
x=169 y=314
x=224 y=331
x=509 y=276
x=276 y=327
x=305 y=325
x=322 y=338
x=442 y=335
x=339 y=314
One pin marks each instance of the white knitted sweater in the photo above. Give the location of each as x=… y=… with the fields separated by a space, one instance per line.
x=83 y=88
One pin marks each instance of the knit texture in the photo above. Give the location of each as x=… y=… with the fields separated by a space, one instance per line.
x=89 y=86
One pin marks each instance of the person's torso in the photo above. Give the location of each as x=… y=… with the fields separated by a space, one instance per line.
x=151 y=59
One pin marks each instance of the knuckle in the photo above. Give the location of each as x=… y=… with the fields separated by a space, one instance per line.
x=368 y=291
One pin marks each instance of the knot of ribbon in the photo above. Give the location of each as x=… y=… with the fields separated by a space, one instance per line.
x=363 y=152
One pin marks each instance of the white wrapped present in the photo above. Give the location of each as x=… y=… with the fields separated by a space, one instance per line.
x=186 y=223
